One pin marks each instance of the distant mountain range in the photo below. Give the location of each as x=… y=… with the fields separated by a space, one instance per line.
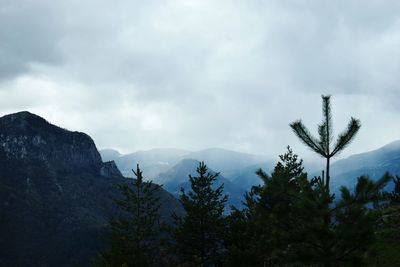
x=156 y=161
x=168 y=166
x=56 y=194
x=152 y=162
x=171 y=167
x=247 y=176
x=177 y=177
x=373 y=164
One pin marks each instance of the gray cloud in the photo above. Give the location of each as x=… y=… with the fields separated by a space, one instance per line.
x=196 y=74
x=29 y=33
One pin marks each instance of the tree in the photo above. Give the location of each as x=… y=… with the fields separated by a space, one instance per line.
x=386 y=251
x=395 y=195
x=323 y=145
x=199 y=234
x=258 y=234
x=293 y=207
x=134 y=236
x=355 y=221
x=284 y=221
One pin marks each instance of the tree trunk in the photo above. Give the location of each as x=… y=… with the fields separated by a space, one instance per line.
x=328 y=159
x=327 y=218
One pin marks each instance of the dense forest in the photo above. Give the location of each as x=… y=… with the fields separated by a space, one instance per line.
x=61 y=205
x=290 y=219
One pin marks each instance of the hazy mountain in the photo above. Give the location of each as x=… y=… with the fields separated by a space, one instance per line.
x=343 y=172
x=178 y=174
x=55 y=194
x=157 y=161
x=247 y=177
x=109 y=154
x=227 y=162
x=374 y=164
x=177 y=177
x=152 y=162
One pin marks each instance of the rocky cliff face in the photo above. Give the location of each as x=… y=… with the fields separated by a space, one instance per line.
x=56 y=195
x=25 y=135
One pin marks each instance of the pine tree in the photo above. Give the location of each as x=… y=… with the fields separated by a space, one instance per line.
x=395 y=195
x=291 y=207
x=323 y=145
x=134 y=236
x=250 y=233
x=199 y=234
x=386 y=251
x=284 y=221
x=265 y=232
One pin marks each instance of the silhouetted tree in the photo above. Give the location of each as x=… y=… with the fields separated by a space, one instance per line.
x=323 y=145
x=395 y=195
x=250 y=234
x=254 y=238
x=284 y=221
x=134 y=236
x=199 y=234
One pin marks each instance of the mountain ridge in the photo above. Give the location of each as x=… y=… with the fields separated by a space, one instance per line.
x=370 y=163
x=56 y=194
x=177 y=177
x=158 y=160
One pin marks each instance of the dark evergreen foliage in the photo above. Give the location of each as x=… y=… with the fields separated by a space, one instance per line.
x=323 y=145
x=386 y=250
x=395 y=195
x=198 y=235
x=284 y=222
x=289 y=220
x=134 y=238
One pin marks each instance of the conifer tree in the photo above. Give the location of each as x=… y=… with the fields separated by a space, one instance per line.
x=134 y=236
x=323 y=145
x=284 y=221
x=395 y=195
x=262 y=233
x=199 y=234
x=386 y=251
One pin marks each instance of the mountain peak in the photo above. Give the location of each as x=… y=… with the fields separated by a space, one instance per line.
x=56 y=194
x=24 y=135
x=23 y=119
x=22 y=114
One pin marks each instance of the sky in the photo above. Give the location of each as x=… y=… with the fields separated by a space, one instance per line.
x=137 y=75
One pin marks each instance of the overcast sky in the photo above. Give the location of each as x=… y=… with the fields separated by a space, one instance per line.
x=198 y=74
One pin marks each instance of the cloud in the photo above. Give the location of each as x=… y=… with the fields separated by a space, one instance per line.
x=27 y=36
x=197 y=74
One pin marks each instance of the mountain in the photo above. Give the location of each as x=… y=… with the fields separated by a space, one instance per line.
x=247 y=177
x=177 y=177
x=56 y=194
x=343 y=172
x=226 y=161
x=157 y=161
x=374 y=164
x=152 y=162
x=178 y=174
x=109 y=154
